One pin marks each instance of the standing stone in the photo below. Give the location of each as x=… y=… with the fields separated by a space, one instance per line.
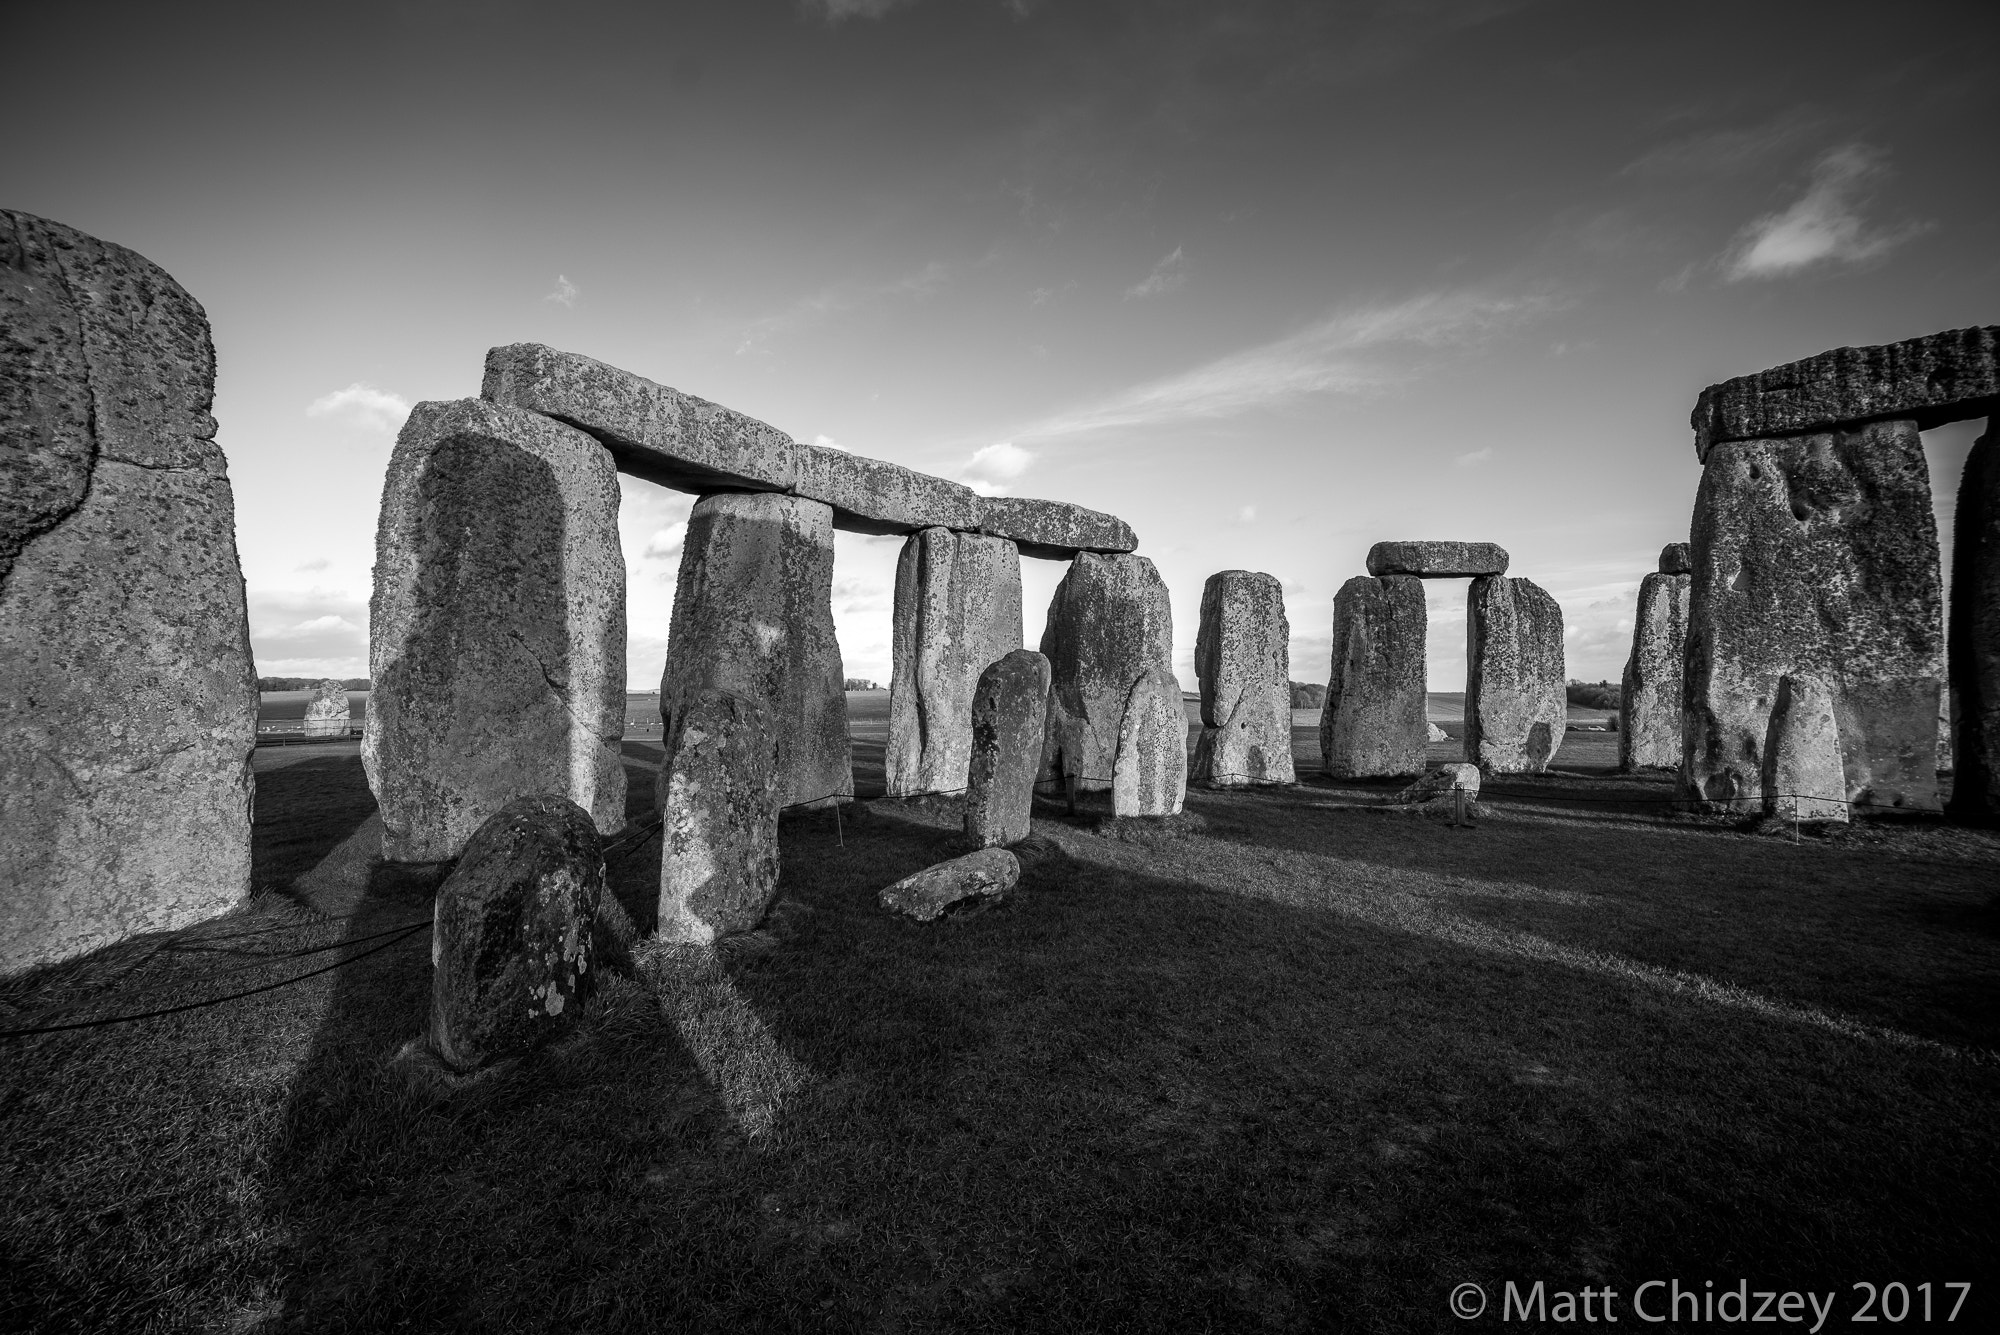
x=1375 y=720
x=1804 y=778
x=326 y=712
x=1516 y=701
x=1149 y=776
x=1009 y=720
x=958 y=609
x=511 y=939
x=753 y=615
x=128 y=705
x=1649 y=716
x=1108 y=623
x=1816 y=555
x=1242 y=661
x=497 y=629
x=719 y=799
x=1975 y=636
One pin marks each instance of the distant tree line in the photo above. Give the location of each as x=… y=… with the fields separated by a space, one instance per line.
x=1597 y=694
x=860 y=684
x=1308 y=695
x=307 y=683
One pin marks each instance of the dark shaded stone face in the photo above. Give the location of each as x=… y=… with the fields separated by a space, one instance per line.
x=1649 y=722
x=1975 y=636
x=1109 y=622
x=1374 y=722
x=1243 y=665
x=1009 y=721
x=988 y=873
x=1674 y=559
x=1437 y=560
x=1816 y=555
x=957 y=609
x=1516 y=704
x=719 y=795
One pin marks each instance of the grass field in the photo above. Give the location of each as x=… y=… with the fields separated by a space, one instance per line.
x=1287 y=1062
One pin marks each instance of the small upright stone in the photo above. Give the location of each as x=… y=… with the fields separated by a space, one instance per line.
x=511 y=941
x=1242 y=661
x=987 y=874
x=1806 y=780
x=1009 y=720
x=1149 y=777
x=1674 y=559
x=1516 y=701
x=1649 y=716
x=1109 y=622
x=1437 y=560
x=719 y=800
x=1374 y=722
x=326 y=712
x=958 y=609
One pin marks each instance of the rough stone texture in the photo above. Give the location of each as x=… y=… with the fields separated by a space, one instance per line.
x=957 y=609
x=497 y=628
x=1374 y=721
x=1649 y=717
x=1804 y=778
x=989 y=873
x=326 y=712
x=1009 y=720
x=753 y=615
x=1816 y=555
x=1442 y=782
x=678 y=440
x=128 y=704
x=1149 y=776
x=1931 y=380
x=1243 y=664
x=1108 y=623
x=1435 y=733
x=719 y=795
x=1975 y=636
x=1437 y=560
x=1674 y=559
x=1516 y=701
x=512 y=940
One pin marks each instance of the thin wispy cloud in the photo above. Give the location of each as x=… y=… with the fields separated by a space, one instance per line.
x=1042 y=296
x=827 y=442
x=364 y=406
x=840 y=298
x=565 y=293
x=1727 y=152
x=665 y=542
x=837 y=11
x=1824 y=227
x=1169 y=274
x=1475 y=458
x=992 y=469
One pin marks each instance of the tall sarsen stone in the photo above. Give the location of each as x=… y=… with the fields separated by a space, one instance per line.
x=958 y=609
x=1649 y=716
x=1009 y=719
x=1243 y=663
x=1374 y=722
x=1109 y=623
x=1516 y=697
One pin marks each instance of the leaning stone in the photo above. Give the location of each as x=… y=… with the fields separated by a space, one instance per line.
x=1975 y=636
x=1109 y=622
x=1242 y=661
x=1674 y=559
x=1931 y=380
x=1649 y=715
x=1816 y=556
x=753 y=615
x=1373 y=723
x=1437 y=560
x=512 y=936
x=497 y=628
x=957 y=610
x=987 y=874
x=1009 y=720
x=128 y=703
x=1805 y=779
x=719 y=798
x=326 y=712
x=1149 y=777
x=1516 y=701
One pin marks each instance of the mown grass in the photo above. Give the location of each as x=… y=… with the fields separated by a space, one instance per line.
x=1281 y=1063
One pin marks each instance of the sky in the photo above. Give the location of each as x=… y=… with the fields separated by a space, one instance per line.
x=1272 y=281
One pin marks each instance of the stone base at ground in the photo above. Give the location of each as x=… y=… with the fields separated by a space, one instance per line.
x=1243 y=664
x=1805 y=779
x=1149 y=777
x=1373 y=723
x=1110 y=622
x=957 y=609
x=719 y=801
x=1649 y=716
x=987 y=874
x=1009 y=723
x=1516 y=697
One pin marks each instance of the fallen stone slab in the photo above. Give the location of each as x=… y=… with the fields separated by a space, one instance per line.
x=1435 y=734
x=1373 y=723
x=1437 y=560
x=1649 y=716
x=957 y=610
x=1243 y=665
x=1973 y=753
x=1516 y=701
x=512 y=939
x=987 y=874
x=1932 y=380
x=690 y=444
x=1009 y=721
x=1442 y=782
x=1149 y=777
x=1109 y=622
x=326 y=712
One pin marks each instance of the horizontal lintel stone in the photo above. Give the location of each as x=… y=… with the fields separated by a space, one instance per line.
x=1437 y=560
x=1932 y=380
x=680 y=441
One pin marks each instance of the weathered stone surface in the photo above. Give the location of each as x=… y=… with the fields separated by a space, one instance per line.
x=1437 y=560
x=958 y=609
x=1243 y=664
x=1108 y=623
x=511 y=940
x=753 y=615
x=719 y=796
x=1816 y=556
x=678 y=440
x=1649 y=717
x=127 y=700
x=1516 y=702
x=1436 y=734
x=989 y=874
x=1931 y=380
x=1374 y=721
x=1674 y=559
x=1975 y=636
x=326 y=712
x=1804 y=778
x=1442 y=782
x=497 y=628
x=1149 y=776
x=1009 y=720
